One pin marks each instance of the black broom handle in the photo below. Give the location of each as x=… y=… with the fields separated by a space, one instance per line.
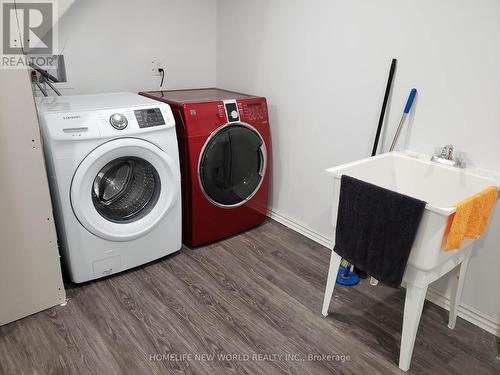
x=384 y=105
x=380 y=122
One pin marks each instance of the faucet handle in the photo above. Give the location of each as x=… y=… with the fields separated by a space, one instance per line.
x=447 y=152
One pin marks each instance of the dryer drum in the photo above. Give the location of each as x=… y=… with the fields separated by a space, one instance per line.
x=126 y=189
x=232 y=165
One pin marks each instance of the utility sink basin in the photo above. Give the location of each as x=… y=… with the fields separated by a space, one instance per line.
x=439 y=185
x=442 y=187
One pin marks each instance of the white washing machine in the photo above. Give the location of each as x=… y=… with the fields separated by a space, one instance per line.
x=113 y=167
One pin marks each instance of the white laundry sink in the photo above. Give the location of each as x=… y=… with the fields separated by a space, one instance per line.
x=439 y=185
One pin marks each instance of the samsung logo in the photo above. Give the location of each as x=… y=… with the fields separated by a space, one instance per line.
x=70 y=117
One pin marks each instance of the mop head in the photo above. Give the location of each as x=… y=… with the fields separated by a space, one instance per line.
x=347 y=279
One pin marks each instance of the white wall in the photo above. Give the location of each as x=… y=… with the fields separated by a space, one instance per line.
x=109 y=45
x=323 y=66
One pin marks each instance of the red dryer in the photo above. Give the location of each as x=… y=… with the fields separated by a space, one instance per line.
x=224 y=146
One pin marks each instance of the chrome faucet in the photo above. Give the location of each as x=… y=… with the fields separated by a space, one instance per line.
x=447 y=157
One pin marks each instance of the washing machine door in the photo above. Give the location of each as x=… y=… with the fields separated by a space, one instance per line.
x=123 y=188
x=232 y=165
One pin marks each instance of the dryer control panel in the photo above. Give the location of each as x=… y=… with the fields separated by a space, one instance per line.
x=232 y=112
x=255 y=111
x=244 y=110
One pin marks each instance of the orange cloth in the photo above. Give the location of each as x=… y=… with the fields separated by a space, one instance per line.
x=471 y=218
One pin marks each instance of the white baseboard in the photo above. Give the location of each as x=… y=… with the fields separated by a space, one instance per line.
x=468 y=313
x=300 y=228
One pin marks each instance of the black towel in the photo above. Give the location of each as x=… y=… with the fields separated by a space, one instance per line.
x=376 y=228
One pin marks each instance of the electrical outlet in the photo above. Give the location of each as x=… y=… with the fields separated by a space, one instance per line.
x=156 y=65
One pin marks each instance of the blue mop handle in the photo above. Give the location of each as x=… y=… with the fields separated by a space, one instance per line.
x=410 y=100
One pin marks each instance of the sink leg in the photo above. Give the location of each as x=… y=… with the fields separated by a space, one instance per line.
x=414 y=303
x=335 y=260
x=457 y=285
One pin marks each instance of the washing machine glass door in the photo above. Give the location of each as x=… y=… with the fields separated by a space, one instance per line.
x=232 y=165
x=123 y=188
x=126 y=189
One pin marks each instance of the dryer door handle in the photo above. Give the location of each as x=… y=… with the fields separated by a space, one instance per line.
x=262 y=155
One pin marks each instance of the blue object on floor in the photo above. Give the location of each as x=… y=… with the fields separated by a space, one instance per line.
x=347 y=277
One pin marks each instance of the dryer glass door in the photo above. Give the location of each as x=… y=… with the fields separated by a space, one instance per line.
x=232 y=165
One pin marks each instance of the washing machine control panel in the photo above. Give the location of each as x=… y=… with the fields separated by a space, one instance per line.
x=107 y=122
x=149 y=117
x=118 y=121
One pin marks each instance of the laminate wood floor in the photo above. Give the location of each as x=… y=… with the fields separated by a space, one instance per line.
x=246 y=305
